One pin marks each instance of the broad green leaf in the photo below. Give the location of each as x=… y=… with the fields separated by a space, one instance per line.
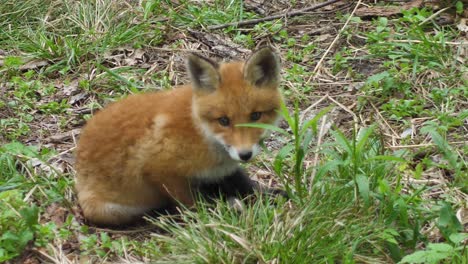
x=282 y=154
x=13 y=61
x=362 y=138
x=326 y=168
x=378 y=77
x=363 y=185
x=418 y=170
x=384 y=187
x=427 y=257
x=403 y=211
x=342 y=141
x=17 y=148
x=30 y=215
x=440 y=247
x=448 y=222
x=389 y=235
x=458 y=237
x=306 y=140
x=459 y=7
x=443 y=146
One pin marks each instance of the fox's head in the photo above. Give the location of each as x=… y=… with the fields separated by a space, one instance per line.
x=228 y=94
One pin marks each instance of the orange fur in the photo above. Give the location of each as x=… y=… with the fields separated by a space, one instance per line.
x=142 y=152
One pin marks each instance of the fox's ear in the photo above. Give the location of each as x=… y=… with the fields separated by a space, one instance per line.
x=262 y=69
x=203 y=72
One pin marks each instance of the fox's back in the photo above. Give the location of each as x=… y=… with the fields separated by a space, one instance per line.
x=123 y=136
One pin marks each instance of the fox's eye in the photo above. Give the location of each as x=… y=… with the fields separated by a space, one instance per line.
x=255 y=116
x=224 y=121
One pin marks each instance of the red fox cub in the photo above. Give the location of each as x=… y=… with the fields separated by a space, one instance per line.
x=150 y=150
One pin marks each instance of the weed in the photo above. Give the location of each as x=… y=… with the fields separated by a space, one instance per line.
x=434 y=254
x=454 y=162
x=18 y=220
x=287 y=236
x=204 y=14
x=18 y=224
x=299 y=148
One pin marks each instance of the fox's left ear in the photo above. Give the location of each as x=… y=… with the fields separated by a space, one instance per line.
x=203 y=72
x=262 y=69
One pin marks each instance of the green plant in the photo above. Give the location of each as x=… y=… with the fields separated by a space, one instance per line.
x=454 y=161
x=340 y=61
x=398 y=109
x=18 y=220
x=296 y=75
x=19 y=226
x=205 y=14
x=13 y=128
x=263 y=232
x=459 y=7
x=54 y=107
x=302 y=135
x=437 y=252
x=18 y=223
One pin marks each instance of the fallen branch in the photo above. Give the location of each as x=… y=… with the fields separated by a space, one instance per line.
x=386 y=11
x=273 y=17
x=426 y=145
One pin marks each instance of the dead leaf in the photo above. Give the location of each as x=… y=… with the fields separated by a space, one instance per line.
x=31 y=260
x=323 y=38
x=78 y=98
x=33 y=64
x=223 y=47
x=127 y=57
x=71 y=88
x=463 y=25
x=56 y=214
x=255 y=5
x=386 y=10
x=62 y=137
x=407 y=132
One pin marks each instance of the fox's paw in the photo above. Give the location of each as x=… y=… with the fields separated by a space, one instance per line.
x=236 y=204
x=278 y=192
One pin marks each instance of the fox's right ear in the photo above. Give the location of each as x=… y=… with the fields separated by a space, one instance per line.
x=203 y=72
x=262 y=69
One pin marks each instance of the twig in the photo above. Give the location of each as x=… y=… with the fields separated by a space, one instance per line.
x=355 y=118
x=433 y=16
x=426 y=145
x=45 y=255
x=462 y=43
x=125 y=232
x=322 y=132
x=273 y=17
x=304 y=113
x=336 y=83
x=425 y=181
x=333 y=43
x=385 y=121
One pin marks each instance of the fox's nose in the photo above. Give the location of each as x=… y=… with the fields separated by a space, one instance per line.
x=245 y=155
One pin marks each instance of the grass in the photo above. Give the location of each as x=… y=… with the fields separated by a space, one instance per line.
x=372 y=150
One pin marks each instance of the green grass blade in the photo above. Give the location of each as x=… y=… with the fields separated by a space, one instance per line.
x=266 y=127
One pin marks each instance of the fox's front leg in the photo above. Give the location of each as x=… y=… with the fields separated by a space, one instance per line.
x=236 y=184
x=241 y=184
